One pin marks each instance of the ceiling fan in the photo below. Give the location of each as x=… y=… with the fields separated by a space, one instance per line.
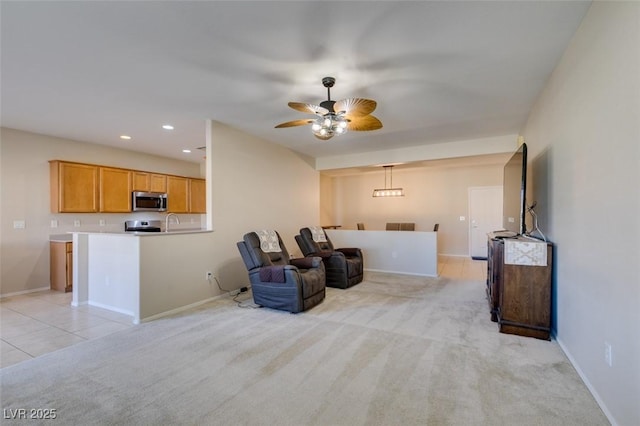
x=336 y=117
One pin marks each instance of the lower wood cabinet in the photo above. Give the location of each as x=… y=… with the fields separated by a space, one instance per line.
x=61 y=265
x=519 y=295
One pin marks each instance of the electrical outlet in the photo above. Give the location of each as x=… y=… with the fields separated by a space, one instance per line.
x=209 y=276
x=102 y=222
x=608 y=355
x=54 y=223
x=76 y=223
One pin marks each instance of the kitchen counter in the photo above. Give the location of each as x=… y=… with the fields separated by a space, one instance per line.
x=138 y=275
x=146 y=234
x=171 y=232
x=61 y=238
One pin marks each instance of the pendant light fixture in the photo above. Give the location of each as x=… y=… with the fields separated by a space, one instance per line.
x=388 y=191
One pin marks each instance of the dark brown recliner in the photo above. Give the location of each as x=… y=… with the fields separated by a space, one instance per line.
x=343 y=266
x=279 y=282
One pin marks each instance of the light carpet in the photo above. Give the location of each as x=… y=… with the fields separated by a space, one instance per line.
x=392 y=350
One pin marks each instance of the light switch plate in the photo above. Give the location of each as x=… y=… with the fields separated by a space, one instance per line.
x=54 y=223
x=462 y=218
x=18 y=224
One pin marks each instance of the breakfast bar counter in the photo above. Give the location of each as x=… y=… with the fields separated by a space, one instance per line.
x=142 y=274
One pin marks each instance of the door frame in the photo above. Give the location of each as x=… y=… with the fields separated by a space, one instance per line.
x=469 y=219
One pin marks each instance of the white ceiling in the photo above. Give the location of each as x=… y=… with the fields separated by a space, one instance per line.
x=440 y=71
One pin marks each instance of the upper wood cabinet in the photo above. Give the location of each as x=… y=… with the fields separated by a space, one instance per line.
x=158 y=183
x=88 y=188
x=74 y=187
x=197 y=196
x=115 y=190
x=149 y=182
x=177 y=194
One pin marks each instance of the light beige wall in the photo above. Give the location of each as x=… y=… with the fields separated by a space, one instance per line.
x=426 y=151
x=327 y=205
x=584 y=139
x=432 y=195
x=24 y=183
x=256 y=185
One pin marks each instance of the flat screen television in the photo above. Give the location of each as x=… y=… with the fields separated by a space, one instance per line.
x=514 y=192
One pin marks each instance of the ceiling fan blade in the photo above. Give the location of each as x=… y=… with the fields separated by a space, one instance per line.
x=294 y=123
x=310 y=108
x=355 y=106
x=363 y=123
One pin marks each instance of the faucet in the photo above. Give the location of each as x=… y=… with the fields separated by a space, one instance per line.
x=166 y=221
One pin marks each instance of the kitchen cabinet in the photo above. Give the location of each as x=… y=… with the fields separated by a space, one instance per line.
x=74 y=187
x=158 y=183
x=197 y=196
x=61 y=265
x=115 y=190
x=149 y=182
x=177 y=194
x=186 y=195
x=89 y=188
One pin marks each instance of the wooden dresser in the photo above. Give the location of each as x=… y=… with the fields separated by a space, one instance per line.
x=519 y=285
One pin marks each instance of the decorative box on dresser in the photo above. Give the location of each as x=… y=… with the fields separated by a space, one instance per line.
x=519 y=285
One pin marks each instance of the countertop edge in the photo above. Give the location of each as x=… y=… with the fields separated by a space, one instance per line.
x=137 y=234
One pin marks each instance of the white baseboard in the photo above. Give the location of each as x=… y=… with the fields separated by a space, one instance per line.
x=586 y=381
x=400 y=273
x=110 y=308
x=18 y=293
x=182 y=308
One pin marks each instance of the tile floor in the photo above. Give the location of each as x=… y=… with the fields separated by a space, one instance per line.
x=462 y=268
x=37 y=323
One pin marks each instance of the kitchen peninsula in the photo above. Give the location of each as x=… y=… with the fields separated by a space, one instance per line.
x=144 y=275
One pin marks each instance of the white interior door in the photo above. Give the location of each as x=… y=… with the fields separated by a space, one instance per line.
x=485 y=215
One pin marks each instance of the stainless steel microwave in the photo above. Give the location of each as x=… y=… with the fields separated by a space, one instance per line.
x=148 y=201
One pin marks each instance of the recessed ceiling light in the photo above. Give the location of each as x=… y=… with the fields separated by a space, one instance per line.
x=125 y=137
x=167 y=126
x=186 y=151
